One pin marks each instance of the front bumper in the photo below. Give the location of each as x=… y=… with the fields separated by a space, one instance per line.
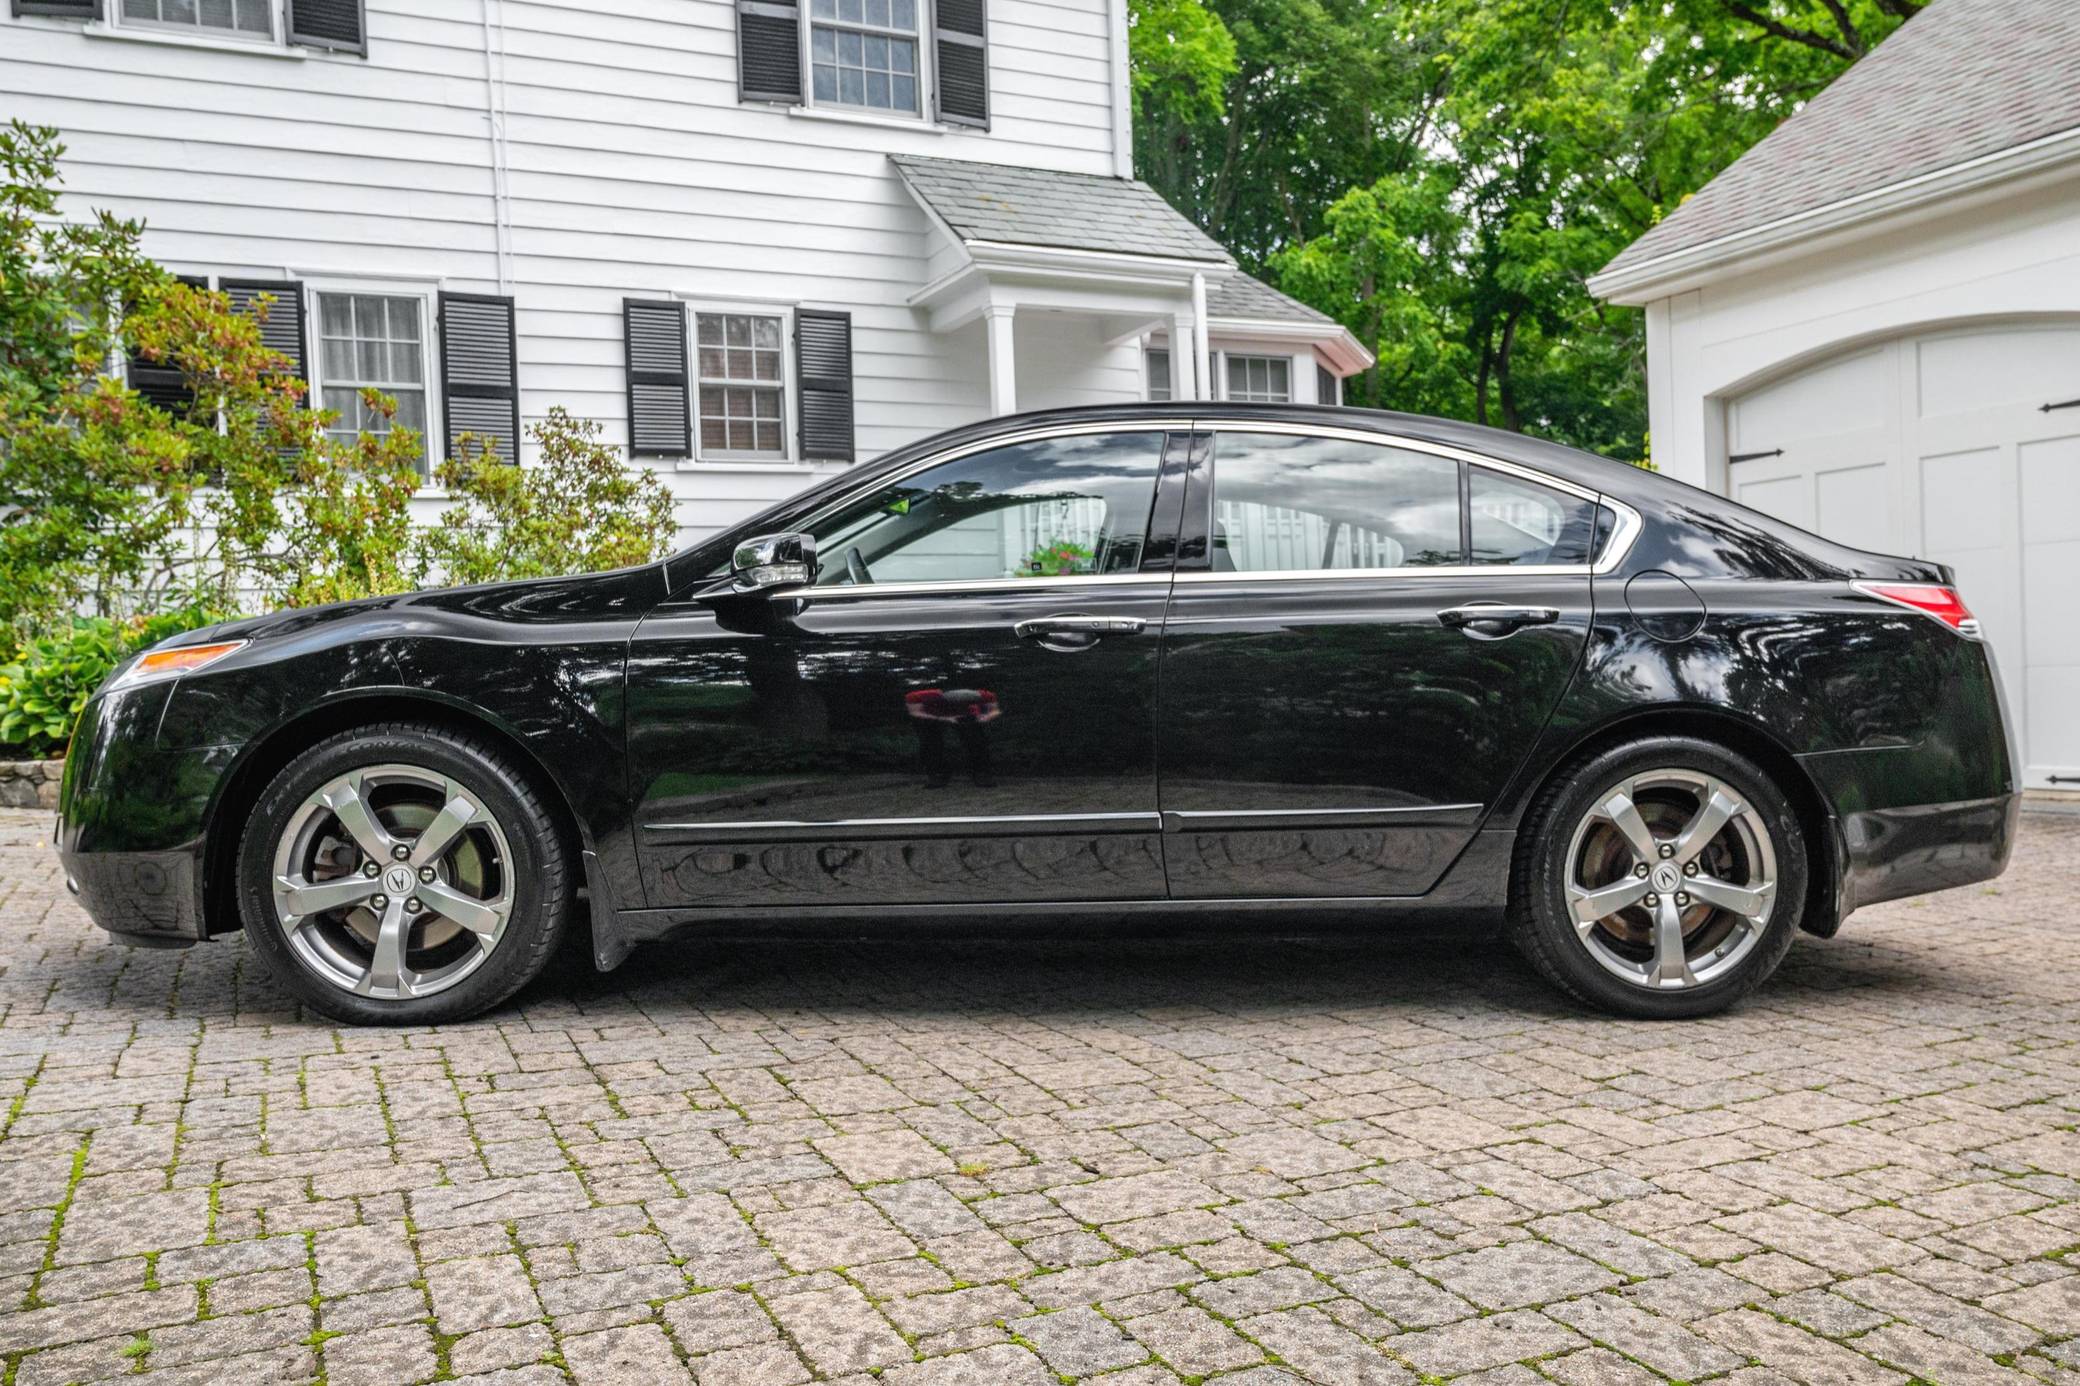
x=153 y=899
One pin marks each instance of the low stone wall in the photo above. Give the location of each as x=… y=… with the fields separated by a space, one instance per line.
x=30 y=784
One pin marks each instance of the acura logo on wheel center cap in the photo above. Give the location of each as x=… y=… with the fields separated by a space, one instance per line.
x=398 y=880
x=1666 y=878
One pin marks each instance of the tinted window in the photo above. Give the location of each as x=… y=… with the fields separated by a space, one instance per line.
x=1286 y=502
x=1054 y=507
x=1521 y=522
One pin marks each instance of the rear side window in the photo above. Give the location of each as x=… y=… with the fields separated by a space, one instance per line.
x=1287 y=502
x=1521 y=523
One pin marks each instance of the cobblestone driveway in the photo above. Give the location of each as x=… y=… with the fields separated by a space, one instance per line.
x=978 y=1163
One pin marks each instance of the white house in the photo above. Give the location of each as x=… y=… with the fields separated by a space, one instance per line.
x=1870 y=325
x=757 y=240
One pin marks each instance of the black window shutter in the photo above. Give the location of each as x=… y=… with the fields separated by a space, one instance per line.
x=60 y=9
x=769 y=51
x=163 y=385
x=659 y=424
x=961 y=49
x=823 y=376
x=340 y=25
x=480 y=382
x=284 y=328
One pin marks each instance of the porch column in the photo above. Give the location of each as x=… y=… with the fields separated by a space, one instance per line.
x=1202 y=349
x=1184 y=357
x=1003 y=360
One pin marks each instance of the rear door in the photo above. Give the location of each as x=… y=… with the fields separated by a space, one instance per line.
x=1363 y=641
x=960 y=709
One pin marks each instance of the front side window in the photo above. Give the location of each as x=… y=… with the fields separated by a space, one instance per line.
x=742 y=387
x=372 y=341
x=245 y=18
x=1516 y=522
x=1292 y=503
x=864 y=53
x=1072 y=506
x=1260 y=379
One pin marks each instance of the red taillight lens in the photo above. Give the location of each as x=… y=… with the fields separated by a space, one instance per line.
x=1943 y=603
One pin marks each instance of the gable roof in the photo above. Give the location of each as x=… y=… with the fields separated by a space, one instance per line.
x=1068 y=211
x=1963 y=80
x=1241 y=297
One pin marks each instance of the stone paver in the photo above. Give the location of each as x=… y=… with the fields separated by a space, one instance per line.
x=942 y=1162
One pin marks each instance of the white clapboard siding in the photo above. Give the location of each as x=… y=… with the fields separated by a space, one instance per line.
x=630 y=169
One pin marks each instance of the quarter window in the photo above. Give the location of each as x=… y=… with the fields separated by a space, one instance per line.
x=1293 y=503
x=1070 y=506
x=742 y=387
x=1260 y=379
x=378 y=342
x=864 y=53
x=1516 y=522
x=245 y=18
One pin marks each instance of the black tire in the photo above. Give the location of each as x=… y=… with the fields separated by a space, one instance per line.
x=541 y=870
x=1541 y=922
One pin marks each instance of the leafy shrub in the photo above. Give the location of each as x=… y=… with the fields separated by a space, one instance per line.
x=579 y=509
x=1058 y=558
x=44 y=687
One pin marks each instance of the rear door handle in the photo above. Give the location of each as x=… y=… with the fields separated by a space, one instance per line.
x=1045 y=627
x=1493 y=618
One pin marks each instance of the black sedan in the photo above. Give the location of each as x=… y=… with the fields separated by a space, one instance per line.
x=1284 y=662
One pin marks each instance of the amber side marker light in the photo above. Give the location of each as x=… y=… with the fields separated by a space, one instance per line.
x=1929 y=599
x=165 y=664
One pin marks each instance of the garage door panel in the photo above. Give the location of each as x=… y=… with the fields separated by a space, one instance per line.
x=1982 y=370
x=2052 y=615
x=2054 y=741
x=2051 y=491
x=1839 y=397
x=1955 y=513
x=1786 y=497
x=1854 y=506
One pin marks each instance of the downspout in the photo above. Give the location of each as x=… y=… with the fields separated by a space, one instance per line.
x=1202 y=356
x=495 y=113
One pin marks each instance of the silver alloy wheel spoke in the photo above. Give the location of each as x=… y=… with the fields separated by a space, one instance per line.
x=347 y=805
x=440 y=834
x=1720 y=808
x=481 y=918
x=1620 y=809
x=1671 y=962
x=1604 y=901
x=386 y=975
x=300 y=897
x=1741 y=900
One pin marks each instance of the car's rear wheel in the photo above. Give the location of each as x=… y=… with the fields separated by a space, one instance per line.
x=403 y=874
x=1662 y=878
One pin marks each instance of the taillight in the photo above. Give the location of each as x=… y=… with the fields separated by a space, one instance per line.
x=1929 y=599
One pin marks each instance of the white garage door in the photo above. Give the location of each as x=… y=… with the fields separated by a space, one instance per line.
x=1941 y=447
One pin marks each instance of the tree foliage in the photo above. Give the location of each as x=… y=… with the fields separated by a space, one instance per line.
x=1443 y=175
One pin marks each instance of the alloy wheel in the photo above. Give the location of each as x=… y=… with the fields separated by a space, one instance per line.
x=1671 y=879
x=392 y=882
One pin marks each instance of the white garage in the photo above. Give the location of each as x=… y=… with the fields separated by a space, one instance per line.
x=1870 y=326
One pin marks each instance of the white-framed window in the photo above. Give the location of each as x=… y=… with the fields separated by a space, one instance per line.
x=741 y=383
x=250 y=20
x=1257 y=379
x=866 y=55
x=1158 y=364
x=376 y=335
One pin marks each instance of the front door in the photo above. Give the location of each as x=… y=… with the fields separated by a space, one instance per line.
x=961 y=708
x=1359 y=653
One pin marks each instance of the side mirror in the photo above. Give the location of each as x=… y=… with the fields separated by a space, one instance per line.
x=773 y=563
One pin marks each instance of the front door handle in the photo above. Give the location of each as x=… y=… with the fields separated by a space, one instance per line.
x=1492 y=619
x=1076 y=631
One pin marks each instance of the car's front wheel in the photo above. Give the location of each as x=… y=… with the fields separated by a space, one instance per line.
x=1660 y=879
x=403 y=874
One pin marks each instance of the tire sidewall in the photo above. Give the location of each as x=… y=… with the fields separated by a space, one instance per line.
x=1550 y=918
x=536 y=859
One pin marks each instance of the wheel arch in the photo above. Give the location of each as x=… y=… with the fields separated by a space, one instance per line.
x=1746 y=737
x=256 y=768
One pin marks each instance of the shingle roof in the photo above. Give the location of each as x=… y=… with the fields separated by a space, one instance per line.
x=1071 y=211
x=1239 y=296
x=1963 y=79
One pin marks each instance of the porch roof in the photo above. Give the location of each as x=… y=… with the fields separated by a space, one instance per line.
x=1063 y=211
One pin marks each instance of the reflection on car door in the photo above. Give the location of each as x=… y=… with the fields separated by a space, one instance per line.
x=962 y=708
x=1344 y=691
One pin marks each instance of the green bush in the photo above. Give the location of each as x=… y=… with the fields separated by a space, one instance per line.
x=44 y=687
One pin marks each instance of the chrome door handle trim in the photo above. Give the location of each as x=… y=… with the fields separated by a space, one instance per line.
x=1040 y=627
x=1494 y=613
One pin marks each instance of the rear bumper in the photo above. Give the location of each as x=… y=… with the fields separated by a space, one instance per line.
x=1909 y=851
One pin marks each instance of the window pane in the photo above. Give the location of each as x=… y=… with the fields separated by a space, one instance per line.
x=1521 y=522
x=1260 y=379
x=714 y=363
x=1054 y=507
x=903 y=14
x=710 y=330
x=876 y=13
x=1290 y=503
x=903 y=93
x=1158 y=375
x=852 y=87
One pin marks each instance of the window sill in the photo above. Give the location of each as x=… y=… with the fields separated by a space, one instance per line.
x=101 y=29
x=694 y=464
x=843 y=116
